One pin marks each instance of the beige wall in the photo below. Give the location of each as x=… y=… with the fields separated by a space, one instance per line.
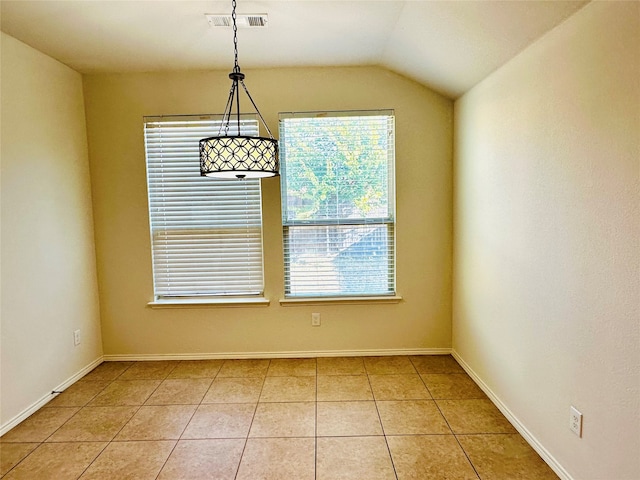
x=116 y=105
x=546 y=263
x=49 y=285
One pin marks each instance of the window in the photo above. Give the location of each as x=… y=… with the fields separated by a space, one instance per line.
x=338 y=204
x=206 y=234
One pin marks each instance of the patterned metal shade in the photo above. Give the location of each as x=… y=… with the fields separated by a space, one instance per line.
x=239 y=157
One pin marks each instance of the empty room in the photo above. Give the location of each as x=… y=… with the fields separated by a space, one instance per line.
x=309 y=239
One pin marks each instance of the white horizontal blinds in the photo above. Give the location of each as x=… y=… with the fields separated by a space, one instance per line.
x=206 y=233
x=338 y=203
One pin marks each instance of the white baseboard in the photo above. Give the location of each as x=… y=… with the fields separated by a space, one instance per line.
x=34 y=407
x=519 y=426
x=301 y=354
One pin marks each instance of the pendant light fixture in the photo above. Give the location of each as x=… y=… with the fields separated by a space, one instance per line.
x=238 y=156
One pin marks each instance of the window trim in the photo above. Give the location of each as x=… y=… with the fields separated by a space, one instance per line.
x=390 y=220
x=359 y=300
x=202 y=300
x=193 y=302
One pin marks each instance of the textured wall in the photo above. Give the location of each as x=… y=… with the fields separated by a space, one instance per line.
x=116 y=105
x=546 y=263
x=49 y=285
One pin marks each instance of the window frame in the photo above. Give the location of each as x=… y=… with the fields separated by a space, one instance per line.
x=216 y=225
x=389 y=296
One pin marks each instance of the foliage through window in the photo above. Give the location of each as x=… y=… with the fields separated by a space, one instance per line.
x=338 y=203
x=206 y=234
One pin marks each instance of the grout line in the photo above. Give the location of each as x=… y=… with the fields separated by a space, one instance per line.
x=95 y=458
x=80 y=408
x=187 y=422
x=447 y=422
x=25 y=457
x=393 y=465
x=454 y=434
x=246 y=440
x=107 y=443
x=171 y=371
x=431 y=395
x=134 y=414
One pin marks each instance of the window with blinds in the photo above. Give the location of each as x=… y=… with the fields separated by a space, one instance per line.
x=206 y=234
x=338 y=203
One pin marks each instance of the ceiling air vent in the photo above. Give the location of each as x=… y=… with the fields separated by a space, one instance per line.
x=249 y=20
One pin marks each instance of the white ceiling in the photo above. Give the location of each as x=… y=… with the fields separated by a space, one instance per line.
x=447 y=45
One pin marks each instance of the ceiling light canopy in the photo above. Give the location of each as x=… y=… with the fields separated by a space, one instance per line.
x=250 y=20
x=231 y=154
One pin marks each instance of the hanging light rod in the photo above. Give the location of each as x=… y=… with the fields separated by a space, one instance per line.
x=231 y=154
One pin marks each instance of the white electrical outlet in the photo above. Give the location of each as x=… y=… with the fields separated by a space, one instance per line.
x=315 y=319
x=76 y=337
x=575 y=421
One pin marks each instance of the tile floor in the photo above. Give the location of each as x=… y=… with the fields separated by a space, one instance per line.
x=369 y=418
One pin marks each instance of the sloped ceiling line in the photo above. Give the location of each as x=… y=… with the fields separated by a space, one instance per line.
x=447 y=45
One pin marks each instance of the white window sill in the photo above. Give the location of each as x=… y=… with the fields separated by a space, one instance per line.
x=210 y=302
x=293 y=302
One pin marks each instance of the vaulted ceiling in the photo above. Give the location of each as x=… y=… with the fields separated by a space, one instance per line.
x=448 y=46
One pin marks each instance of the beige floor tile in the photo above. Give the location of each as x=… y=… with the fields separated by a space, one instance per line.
x=234 y=390
x=260 y=418
x=292 y=367
x=244 y=368
x=107 y=371
x=505 y=457
x=180 y=391
x=156 y=370
x=289 y=389
x=125 y=392
x=220 y=420
x=162 y=422
x=40 y=425
x=278 y=459
x=196 y=369
x=341 y=366
x=203 y=459
x=94 y=424
x=130 y=461
x=353 y=458
x=411 y=417
x=388 y=365
x=436 y=364
x=57 y=461
x=474 y=416
x=79 y=394
x=429 y=456
x=284 y=420
x=12 y=453
x=341 y=419
x=343 y=388
x=452 y=386
x=398 y=387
